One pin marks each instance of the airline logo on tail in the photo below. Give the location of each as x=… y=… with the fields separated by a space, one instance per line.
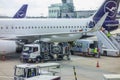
x=21 y=14
x=111 y=7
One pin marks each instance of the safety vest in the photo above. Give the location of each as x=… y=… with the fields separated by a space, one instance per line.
x=95 y=51
x=108 y=35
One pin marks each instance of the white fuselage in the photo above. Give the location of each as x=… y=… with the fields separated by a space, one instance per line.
x=59 y=30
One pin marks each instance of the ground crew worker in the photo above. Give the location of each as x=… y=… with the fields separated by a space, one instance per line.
x=95 y=51
x=108 y=35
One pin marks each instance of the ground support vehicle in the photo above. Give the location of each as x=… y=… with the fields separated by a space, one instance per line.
x=44 y=51
x=85 y=48
x=111 y=77
x=109 y=52
x=43 y=71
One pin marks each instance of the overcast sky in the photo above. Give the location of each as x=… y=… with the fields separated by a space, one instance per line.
x=40 y=7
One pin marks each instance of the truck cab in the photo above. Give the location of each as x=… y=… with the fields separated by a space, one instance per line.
x=30 y=52
x=28 y=71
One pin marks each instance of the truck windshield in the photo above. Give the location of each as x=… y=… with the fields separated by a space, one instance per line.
x=30 y=49
x=20 y=72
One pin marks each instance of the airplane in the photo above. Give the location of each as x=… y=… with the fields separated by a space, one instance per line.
x=53 y=30
x=21 y=13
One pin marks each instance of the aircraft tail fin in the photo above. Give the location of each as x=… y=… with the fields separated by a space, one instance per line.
x=21 y=13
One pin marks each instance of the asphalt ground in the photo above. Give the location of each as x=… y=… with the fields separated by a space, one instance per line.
x=85 y=67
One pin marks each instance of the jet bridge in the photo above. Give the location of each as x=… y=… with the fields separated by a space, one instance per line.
x=110 y=43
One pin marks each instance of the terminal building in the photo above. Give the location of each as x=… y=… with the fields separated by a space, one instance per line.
x=66 y=10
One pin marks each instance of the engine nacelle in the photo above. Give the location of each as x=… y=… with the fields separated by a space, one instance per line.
x=7 y=46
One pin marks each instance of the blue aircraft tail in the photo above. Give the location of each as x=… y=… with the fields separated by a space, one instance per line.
x=21 y=13
x=110 y=6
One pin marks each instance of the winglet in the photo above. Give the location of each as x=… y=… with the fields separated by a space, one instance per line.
x=99 y=23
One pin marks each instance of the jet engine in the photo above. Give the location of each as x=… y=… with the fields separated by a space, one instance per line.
x=7 y=46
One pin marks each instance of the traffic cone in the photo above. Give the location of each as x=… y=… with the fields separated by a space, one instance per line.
x=97 y=64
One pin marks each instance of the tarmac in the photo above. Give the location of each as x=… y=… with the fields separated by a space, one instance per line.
x=85 y=67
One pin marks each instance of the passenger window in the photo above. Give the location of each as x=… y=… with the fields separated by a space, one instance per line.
x=1 y=27
x=6 y=27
